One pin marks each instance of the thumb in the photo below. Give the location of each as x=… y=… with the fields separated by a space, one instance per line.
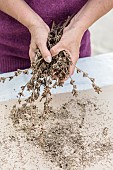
x=45 y=53
x=56 y=49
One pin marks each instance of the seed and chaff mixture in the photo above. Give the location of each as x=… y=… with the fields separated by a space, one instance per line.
x=57 y=132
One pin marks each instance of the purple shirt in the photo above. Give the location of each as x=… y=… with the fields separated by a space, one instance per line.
x=15 y=38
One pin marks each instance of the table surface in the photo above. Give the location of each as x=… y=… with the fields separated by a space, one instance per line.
x=99 y=67
x=16 y=153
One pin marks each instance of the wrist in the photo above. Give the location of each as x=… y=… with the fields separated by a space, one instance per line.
x=79 y=25
x=34 y=21
x=38 y=25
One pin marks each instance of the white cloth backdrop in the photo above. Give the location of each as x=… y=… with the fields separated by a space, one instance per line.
x=100 y=67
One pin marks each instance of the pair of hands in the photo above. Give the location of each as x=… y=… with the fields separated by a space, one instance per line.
x=70 y=42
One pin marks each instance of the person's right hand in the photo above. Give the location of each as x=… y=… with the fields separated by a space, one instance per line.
x=39 y=34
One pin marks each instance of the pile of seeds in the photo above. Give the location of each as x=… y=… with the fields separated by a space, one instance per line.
x=61 y=136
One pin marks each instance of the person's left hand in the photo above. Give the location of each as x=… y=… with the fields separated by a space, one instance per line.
x=69 y=42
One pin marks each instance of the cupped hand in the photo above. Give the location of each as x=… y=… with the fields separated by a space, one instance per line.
x=69 y=42
x=39 y=35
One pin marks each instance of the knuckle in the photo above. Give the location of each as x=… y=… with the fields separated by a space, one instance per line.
x=31 y=54
x=40 y=44
x=32 y=47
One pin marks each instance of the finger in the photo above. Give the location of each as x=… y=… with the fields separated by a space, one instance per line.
x=72 y=69
x=32 y=51
x=74 y=59
x=45 y=52
x=56 y=49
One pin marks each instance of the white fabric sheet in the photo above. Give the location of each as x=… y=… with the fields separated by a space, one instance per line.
x=100 y=67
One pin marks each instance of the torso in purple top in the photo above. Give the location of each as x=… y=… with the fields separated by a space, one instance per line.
x=15 y=38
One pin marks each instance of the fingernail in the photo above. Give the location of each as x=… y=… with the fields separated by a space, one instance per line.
x=48 y=59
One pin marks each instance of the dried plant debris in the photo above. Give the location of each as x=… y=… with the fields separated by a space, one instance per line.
x=60 y=136
x=43 y=73
x=54 y=130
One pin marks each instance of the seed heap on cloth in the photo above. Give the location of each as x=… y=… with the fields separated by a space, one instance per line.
x=43 y=73
x=65 y=139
